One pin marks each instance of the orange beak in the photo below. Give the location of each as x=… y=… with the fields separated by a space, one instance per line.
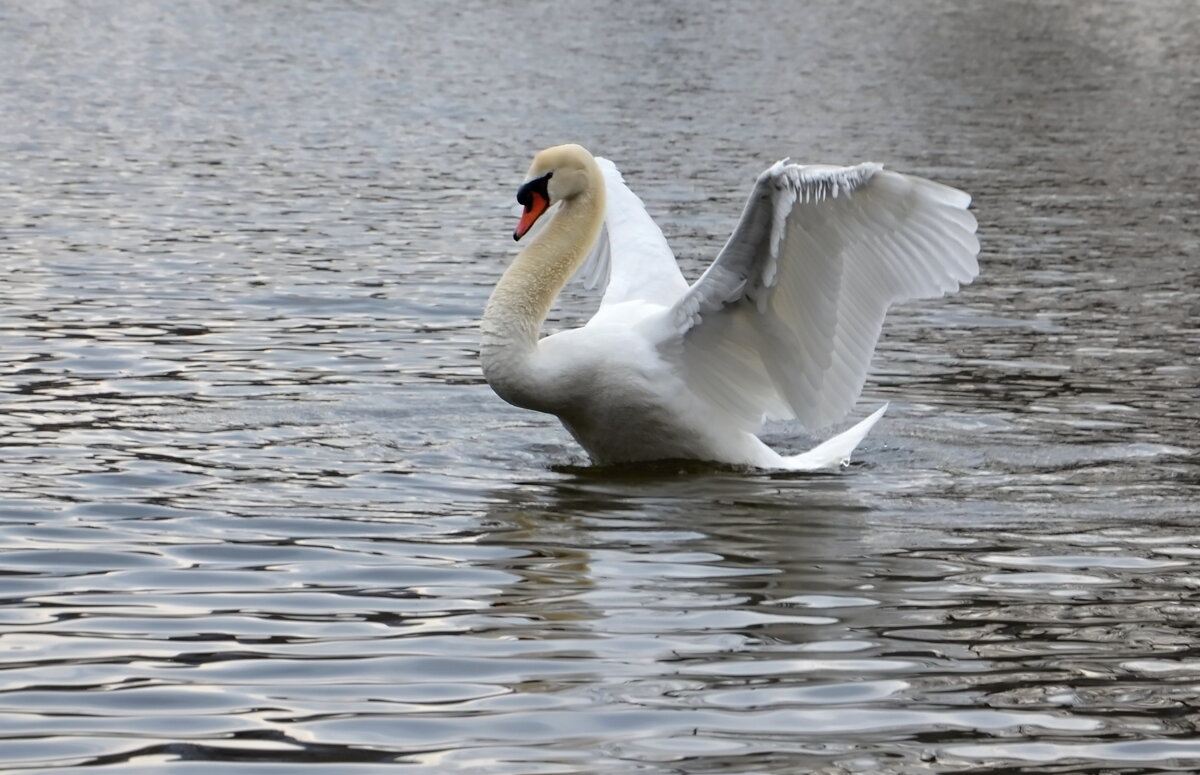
x=533 y=210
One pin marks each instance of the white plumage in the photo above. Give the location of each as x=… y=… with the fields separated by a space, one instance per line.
x=781 y=325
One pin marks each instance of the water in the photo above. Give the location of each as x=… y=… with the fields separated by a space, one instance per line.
x=261 y=515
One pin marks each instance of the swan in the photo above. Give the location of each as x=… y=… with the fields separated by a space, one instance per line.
x=781 y=325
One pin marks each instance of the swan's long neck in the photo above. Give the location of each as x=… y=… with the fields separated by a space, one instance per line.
x=521 y=300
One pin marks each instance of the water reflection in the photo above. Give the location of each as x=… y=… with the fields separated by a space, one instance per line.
x=885 y=627
x=261 y=512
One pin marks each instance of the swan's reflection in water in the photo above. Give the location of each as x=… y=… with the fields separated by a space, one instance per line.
x=262 y=515
x=755 y=617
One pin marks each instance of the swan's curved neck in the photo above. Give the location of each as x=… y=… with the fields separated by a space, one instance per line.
x=521 y=300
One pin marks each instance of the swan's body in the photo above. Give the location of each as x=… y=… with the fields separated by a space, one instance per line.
x=781 y=325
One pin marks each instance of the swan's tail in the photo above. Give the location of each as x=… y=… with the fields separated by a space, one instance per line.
x=836 y=451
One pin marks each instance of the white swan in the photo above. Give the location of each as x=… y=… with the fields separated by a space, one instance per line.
x=781 y=325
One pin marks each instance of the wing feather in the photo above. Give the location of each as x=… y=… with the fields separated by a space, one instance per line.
x=785 y=320
x=631 y=260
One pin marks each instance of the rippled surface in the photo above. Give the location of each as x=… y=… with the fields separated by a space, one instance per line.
x=261 y=514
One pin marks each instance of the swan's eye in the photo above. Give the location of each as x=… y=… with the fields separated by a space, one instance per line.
x=536 y=186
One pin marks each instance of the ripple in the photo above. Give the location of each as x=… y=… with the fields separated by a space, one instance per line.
x=1128 y=751
x=52 y=561
x=777 y=667
x=823 y=694
x=1045 y=578
x=1080 y=561
x=538 y=726
x=825 y=601
x=262 y=514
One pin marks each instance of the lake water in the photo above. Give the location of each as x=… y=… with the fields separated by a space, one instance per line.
x=261 y=514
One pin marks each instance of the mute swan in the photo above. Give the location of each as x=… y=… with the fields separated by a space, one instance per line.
x=781 y=325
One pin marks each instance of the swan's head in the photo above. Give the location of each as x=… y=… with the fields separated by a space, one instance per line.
x=557 y=174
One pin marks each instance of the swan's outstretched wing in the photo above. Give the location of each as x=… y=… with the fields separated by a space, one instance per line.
x=631 y=257
x=785 y=320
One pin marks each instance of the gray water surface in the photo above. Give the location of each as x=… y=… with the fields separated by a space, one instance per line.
x=262 y=515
